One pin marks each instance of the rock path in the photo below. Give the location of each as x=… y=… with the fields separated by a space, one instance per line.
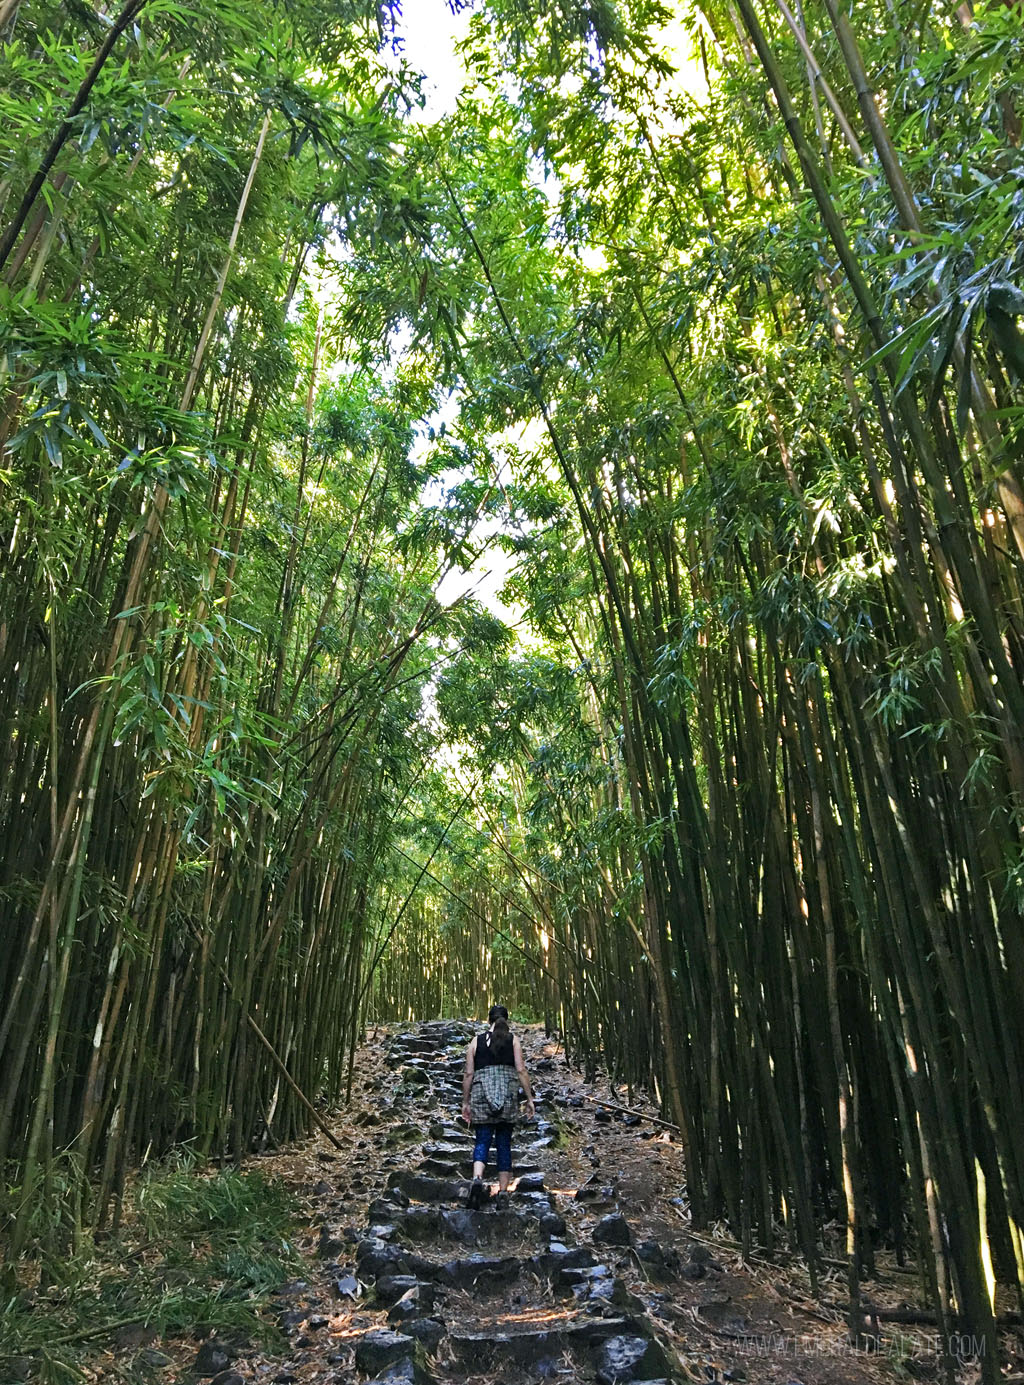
x=431 y=1292
x=581 y=1278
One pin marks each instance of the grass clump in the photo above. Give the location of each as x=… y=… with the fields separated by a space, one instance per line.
x=197 y=1253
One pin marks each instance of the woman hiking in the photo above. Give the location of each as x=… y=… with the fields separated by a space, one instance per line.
x=490 y=1101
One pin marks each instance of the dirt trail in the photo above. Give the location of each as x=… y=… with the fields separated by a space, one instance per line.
x=592 y=1274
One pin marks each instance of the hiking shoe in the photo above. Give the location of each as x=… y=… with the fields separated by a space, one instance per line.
x=476 y=1195
x=501 y=1202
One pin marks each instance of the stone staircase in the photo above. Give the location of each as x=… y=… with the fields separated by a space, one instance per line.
x=489 y=1295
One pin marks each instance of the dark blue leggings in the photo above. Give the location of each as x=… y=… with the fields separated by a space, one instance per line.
x=502 y=1136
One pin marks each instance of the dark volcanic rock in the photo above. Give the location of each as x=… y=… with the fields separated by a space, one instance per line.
x=379 y=1349
x=213 y=1357
x=530 y=1183
x=465 y=1226
x=421 y=1223
x=623 y=1359
x=416 y=1302
x=665 y=1264
x=381 y=1231
x=378 y=1257
x=428 y=1331
x=558 y=1256
x=463 y=1274
x=590 y=1192
x=534 y=1204
x=228 y=1378
x=472 y=1228
x=440 y=1168
x=391 y=1287
x=613 y=1230
x=425 y=1189
x=400 y=1372
x=495 y=1351
x=551 y=1224
x=597 y=1287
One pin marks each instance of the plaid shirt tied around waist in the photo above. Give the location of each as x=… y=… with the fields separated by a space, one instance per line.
x=494 y=1096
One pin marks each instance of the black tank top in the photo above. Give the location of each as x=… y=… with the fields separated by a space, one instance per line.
x=492 y=1055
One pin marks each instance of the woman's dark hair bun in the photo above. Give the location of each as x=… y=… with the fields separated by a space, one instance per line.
x=498 y=1016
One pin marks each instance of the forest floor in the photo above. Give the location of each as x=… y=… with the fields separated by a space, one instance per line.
x=592 y=1274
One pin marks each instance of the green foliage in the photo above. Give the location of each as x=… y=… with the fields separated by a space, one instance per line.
x=197 y=1253
x=733 y=402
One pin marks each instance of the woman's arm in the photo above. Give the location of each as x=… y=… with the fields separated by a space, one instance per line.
x=524 y=1076
x=467 y=1079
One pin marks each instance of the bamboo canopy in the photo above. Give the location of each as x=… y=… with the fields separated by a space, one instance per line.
x=566 y=549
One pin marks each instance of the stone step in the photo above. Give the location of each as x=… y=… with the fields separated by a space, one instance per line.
x=488 y=1272
x=468 y=1228
x=443 y=1168
x=538 y=1134
x=476 y=1271
x=560 y=1257
x=462 y=1146
x=447 y=1131
x=378 y=1349
x=463 y=1168
x=422 y=1188
x=417 y=1302
x=494 y=1273
x=388 y=1263
x=597 y=1287
x=405 y=1133
x=496 y=1350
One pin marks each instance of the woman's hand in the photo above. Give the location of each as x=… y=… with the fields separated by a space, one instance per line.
x=530 y=1110
x=465 y=1111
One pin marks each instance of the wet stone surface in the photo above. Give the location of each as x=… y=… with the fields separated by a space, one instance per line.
x=627 y=1358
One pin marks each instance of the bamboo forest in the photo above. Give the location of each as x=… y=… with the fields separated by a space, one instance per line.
x=561 y=543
